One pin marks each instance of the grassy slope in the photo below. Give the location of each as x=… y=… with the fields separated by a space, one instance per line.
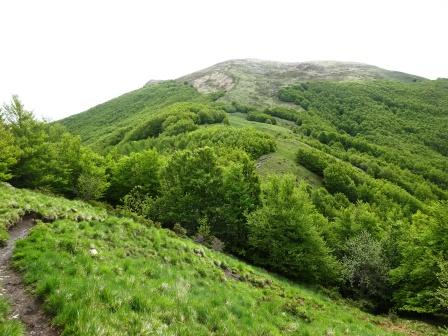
x=15 y=203
x=122 y=114
x=147 y=281
x=284 y=159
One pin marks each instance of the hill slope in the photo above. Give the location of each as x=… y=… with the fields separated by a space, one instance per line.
x=252 y=86
x=243 y=81
x=146 y=280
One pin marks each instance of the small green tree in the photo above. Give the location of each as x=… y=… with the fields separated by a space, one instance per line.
x=49 y=155
x=92 y=180
x=191 y=184
x=285 y=233
x=218 y=184
x=9 y=152
x=241 y=195
x=337 y=180
x=137 y=169
x=365 y=272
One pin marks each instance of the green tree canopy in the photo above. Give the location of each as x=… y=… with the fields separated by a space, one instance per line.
x=286 y=233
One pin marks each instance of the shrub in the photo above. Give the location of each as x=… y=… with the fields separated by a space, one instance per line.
x=285 y=234
x=421 y=276
x=365 y=272
x=179 y=230
x=312 y=160
x=261 y=117
x=337 y=179
x=138 y=169
x=284 y=113
x=217 y=184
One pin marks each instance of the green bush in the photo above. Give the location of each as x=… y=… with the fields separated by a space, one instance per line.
x=220 y=185
x=138 y=169
x=285 y=234
x=312 y=159
x=261 y=117
x=365 y=272
x=284 y=113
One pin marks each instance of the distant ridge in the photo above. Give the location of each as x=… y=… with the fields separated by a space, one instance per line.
x=256 y=81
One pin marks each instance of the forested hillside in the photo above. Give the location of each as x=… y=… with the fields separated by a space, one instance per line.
x=335 y=176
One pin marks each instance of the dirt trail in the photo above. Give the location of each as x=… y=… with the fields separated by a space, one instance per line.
x=23 y=305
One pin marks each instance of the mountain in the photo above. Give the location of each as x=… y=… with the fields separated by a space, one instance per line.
x=257 y=81
x=243 y=81
x=350 y=104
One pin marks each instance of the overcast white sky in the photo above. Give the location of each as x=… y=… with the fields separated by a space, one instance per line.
x=62 y=57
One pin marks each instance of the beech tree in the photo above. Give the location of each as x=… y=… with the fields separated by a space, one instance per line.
x=285 y=233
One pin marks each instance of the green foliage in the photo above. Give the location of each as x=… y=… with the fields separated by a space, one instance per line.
x=384 y=122
x=92 y=181
x=235 y=107
x=425 y=251
x=375 y=153
x=254 y=142
x=109 y=123
x=177 y=118
x=194 y=290
x=9 y=152
x=241 y=196
x=51 y=158
x=337 y=179
x=365 y=272
x=261 y=117
x=312 y=160
x=285 y=113
x=286 y=234
x=190 y=188
x=138 y=169
x=137 y=201
x=91 y=186
x=205 y=183
x=442 y=291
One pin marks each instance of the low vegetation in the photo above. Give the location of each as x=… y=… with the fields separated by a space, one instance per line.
x=8 y=327
x=15 y=203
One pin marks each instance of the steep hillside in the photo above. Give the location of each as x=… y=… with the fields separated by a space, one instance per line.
x=114 y=118
x=251 y=82
x=114 y=276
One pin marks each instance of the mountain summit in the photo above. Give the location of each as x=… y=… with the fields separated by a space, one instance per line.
x=255 y=81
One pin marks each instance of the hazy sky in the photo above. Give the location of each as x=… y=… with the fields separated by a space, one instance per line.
x=62 y=57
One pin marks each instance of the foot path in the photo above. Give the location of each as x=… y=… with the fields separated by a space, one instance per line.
x=23 y=305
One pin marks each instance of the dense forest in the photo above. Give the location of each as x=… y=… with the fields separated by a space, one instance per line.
x=370 y=225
